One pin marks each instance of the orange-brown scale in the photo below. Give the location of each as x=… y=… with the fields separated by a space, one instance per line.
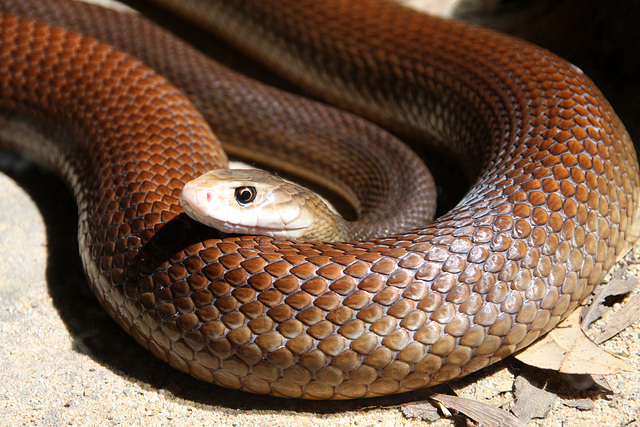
x=555 y=198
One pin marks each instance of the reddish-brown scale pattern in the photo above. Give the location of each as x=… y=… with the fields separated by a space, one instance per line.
x=555 y=198
x=264 y=125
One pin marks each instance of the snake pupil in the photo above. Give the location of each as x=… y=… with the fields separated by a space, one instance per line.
x=245 y=195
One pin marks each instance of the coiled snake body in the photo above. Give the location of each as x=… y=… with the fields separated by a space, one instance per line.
x=553 y=204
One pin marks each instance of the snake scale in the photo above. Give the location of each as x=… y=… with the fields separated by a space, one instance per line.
x=553 y=205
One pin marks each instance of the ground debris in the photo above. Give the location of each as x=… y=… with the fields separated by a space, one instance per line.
x=531 y=401
x=581 y=404
x=481 y=413
x=422 y=410
x=626 y=317
x=615 y=287
x=568 y=350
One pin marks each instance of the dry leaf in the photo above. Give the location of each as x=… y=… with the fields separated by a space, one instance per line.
x=616 y=286
x=581 y=404
x=531 y=401
x=567 y=349
x=601 y=381
x=486 y=415
x=629 y=315
x=424 y=411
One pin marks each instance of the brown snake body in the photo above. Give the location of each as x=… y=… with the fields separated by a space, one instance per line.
x=553 y=205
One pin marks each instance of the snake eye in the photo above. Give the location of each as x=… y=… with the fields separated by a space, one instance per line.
x=245 y=195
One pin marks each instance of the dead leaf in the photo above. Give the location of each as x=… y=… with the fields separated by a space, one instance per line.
x=616 y=286
x=629 y=315
x=567 y=349
x=601 y=381
x=424 y=411
x=581 y=404
x=484 y=414
x=531 y=401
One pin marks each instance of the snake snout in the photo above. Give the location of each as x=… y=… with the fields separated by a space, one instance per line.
x=192 y=200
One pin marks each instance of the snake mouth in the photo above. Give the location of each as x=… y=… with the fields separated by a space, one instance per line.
x=228 y=227
x=238 y=228
x=234 y=228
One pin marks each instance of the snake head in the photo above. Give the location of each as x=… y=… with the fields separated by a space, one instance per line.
x=247 y=201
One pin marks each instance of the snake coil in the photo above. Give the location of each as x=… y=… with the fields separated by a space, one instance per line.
x=553 y=204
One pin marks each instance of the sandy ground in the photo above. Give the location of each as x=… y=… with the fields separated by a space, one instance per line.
x=65 y=362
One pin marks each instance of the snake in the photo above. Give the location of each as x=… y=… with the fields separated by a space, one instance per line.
x=553 y=204
x=249 y=201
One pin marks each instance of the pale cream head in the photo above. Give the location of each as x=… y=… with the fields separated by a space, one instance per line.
x=247 y=201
